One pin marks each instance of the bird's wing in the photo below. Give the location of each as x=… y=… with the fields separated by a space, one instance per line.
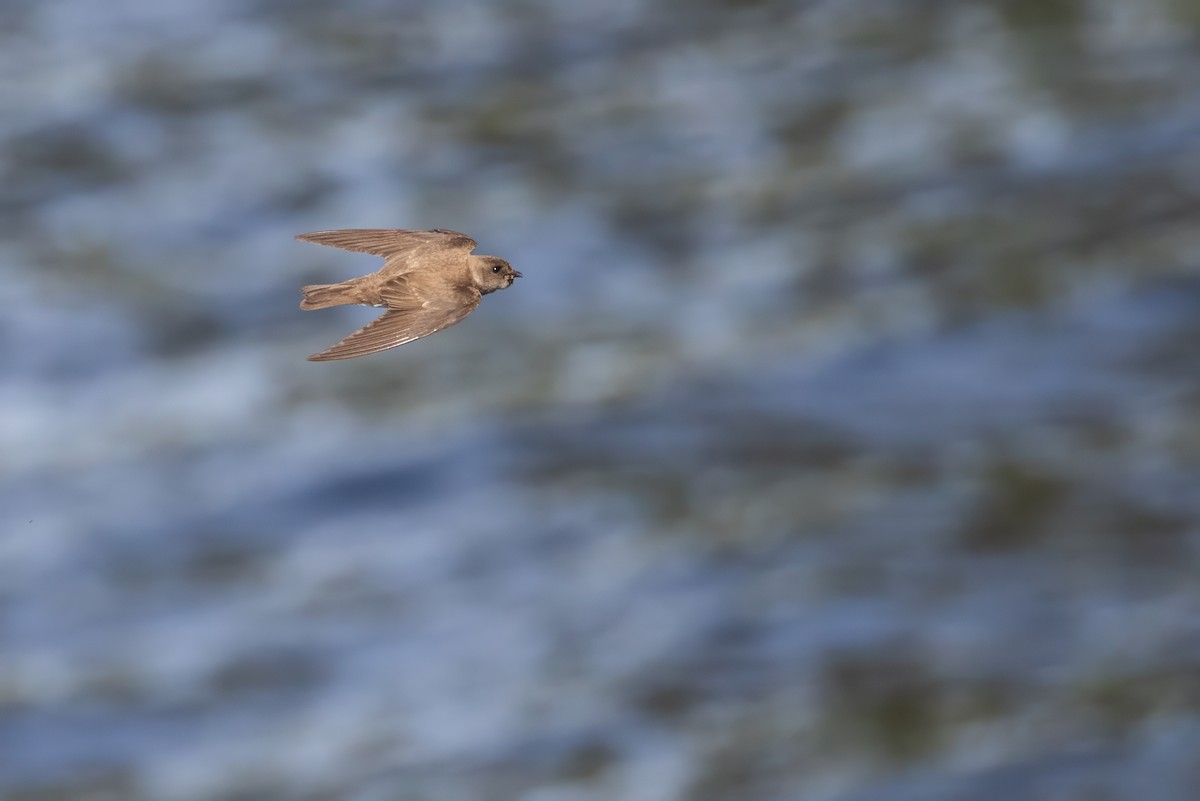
x=413 y=312
x=389 y=242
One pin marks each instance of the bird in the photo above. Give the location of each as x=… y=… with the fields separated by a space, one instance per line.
x=429 y=281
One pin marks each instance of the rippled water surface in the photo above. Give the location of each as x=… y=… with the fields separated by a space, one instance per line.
x=841 y=443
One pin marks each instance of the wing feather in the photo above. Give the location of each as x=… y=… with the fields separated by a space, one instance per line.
x=412 y=314
x=389 y=242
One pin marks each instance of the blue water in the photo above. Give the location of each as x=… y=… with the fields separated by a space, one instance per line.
x=840 y=442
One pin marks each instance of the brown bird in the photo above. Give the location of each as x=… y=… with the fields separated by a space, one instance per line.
x=429 y=281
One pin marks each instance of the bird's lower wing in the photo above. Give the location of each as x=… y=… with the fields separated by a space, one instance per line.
x=402 y=324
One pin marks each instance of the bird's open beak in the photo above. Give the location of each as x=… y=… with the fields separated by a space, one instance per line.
x=517 y=274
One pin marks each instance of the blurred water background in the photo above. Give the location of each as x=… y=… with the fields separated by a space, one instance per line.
x=841 y=443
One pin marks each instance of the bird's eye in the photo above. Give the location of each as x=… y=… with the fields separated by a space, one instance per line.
x=495 y=268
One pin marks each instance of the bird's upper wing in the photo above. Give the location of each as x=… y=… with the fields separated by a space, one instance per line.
x=388 y=242
x=413 y=312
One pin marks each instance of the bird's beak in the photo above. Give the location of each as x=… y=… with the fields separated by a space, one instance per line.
x=517 y=274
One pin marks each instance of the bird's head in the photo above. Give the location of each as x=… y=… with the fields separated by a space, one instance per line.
x=492 y=273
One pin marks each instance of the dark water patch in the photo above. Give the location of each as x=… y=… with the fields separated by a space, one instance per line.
x=1017 y=510
x=588 y=761
x=60 y=159
x=269 y=671
x=167 y=85
x=884 y=702
x=392 y=486
x=100 y=785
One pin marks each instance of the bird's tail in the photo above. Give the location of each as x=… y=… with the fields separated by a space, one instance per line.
x=322 y=296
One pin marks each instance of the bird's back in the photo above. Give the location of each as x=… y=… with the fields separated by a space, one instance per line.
x=452 y=264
